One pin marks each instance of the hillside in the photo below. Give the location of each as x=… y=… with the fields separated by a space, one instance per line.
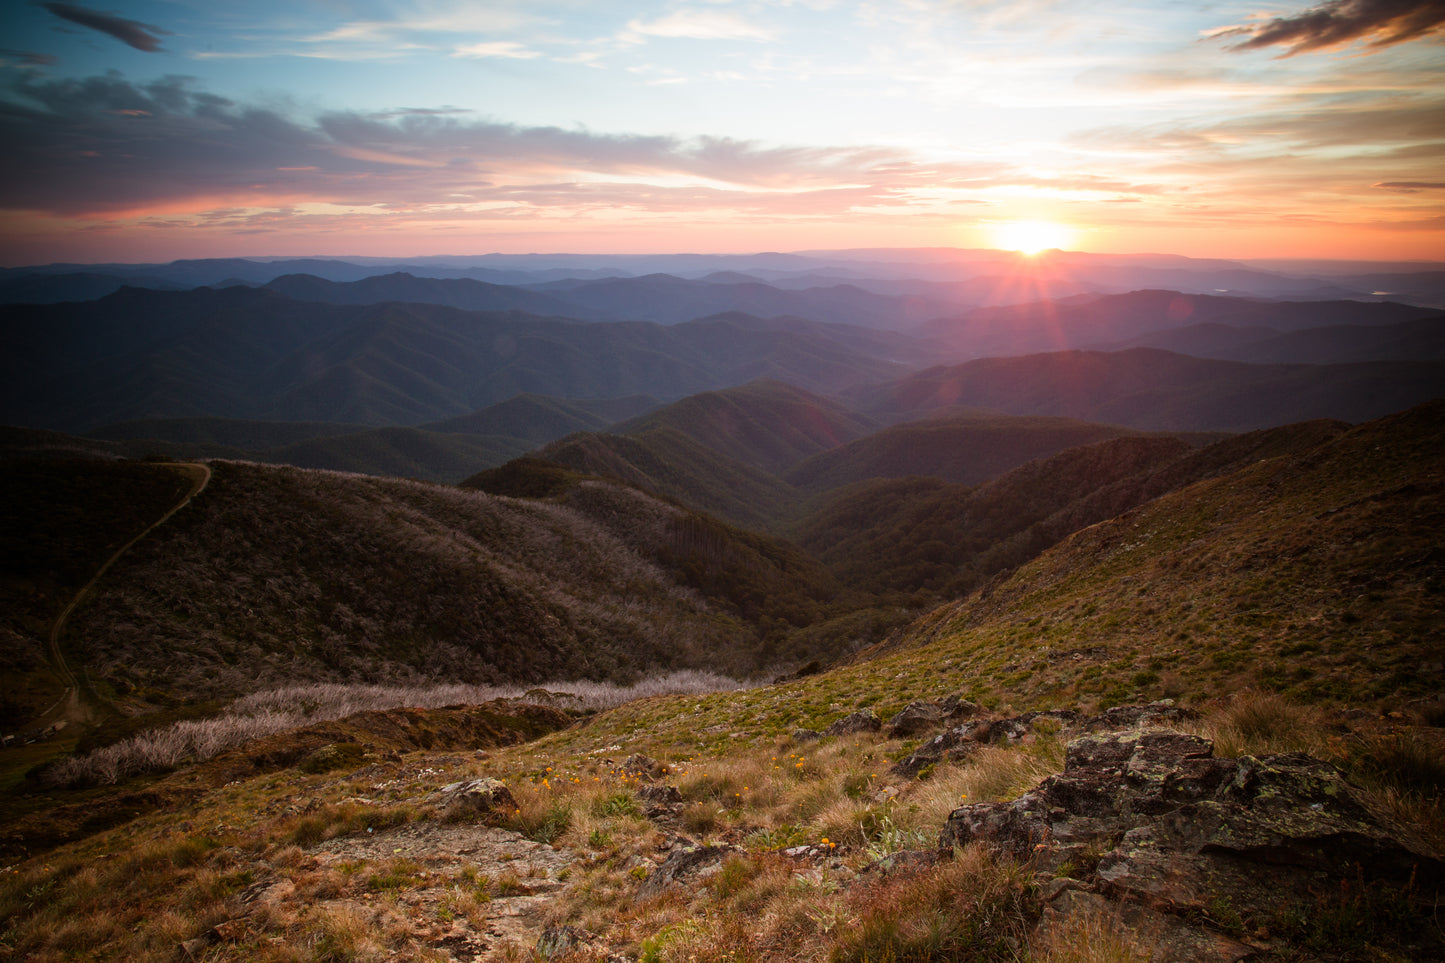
x=254 y=354
x=400 y=453
x=230 y=433
x=1157 y=390
x=443 y=451
x=279 y=575
x=1315 y=573
x=764 y=424
x=1089 y=321
x=539 y=419
x=666 y=299
x=925 y=535
x=965 y=449
x=1419 y=340
x=667 y=461
x=1289 y=599
x=61 y=519
x=463 y=293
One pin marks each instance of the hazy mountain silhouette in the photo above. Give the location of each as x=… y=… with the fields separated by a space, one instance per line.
x=1088 y=321
x=255 y=354
x=464 y=293
x=1152 y=389
x=1422 y=340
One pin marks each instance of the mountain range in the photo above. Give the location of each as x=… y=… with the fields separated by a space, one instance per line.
x=1181 y=541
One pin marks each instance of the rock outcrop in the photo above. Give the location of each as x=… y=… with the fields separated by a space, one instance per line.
x=683 y=866
x=919 y=717
x=479 y=795
x=962 y=741
x=864 y=720
x=1147 y=825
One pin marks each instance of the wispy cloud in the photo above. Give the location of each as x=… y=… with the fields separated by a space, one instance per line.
x=104 y=145
x=497 y=48
x=139 y=35
x=698 y=25
x=26 y=58
x=1338 y=23
x=1411 y=187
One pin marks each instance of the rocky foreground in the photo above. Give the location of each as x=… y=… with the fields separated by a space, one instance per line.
x=1119 y=836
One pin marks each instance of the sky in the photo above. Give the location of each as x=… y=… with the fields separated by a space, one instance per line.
x=146 y=130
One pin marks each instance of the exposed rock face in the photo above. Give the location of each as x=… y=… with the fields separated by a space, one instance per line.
x=659 y=795
x=914 y=718
x=688 y=863
x=962 y=741
x=865 y=720
x=918 y=717
x=1151 y=820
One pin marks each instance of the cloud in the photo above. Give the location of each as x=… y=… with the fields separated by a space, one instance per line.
x=1341 y=22
x=103 y=147
x=139 y=35
x=697 y=25
x=26 y=58
x=496 y=48
x=1411 y=187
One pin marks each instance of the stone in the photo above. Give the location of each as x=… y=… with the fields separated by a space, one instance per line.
x=956 y=707
x=643 y=767
x=681 y=866
x=659 y=795
x=557 y=941
x=953 y=744
x=914 y=718
x=480 y=795
x=1152 y=823
x=865 y=720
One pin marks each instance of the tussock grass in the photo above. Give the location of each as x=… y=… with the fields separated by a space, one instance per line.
x=1090 y=938
x=1262 y=723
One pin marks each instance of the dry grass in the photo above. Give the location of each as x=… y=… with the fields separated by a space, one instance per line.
x=1256 y=723
x=1401 y=769
x=1089 y=938
x=759 y=796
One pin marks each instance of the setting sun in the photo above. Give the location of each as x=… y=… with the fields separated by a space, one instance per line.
x=1030 y=237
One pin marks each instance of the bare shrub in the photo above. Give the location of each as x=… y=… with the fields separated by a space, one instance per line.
x=279 y=710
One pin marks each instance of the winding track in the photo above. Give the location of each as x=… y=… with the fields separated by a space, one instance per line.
x=70 y=708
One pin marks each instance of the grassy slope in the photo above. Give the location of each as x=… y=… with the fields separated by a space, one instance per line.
x=905 y=535
x=1316 y=574
x=1327 y=558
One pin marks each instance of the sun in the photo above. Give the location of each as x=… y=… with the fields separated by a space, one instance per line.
x=1030 y=237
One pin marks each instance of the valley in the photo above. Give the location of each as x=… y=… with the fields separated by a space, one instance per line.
x=575 y=611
